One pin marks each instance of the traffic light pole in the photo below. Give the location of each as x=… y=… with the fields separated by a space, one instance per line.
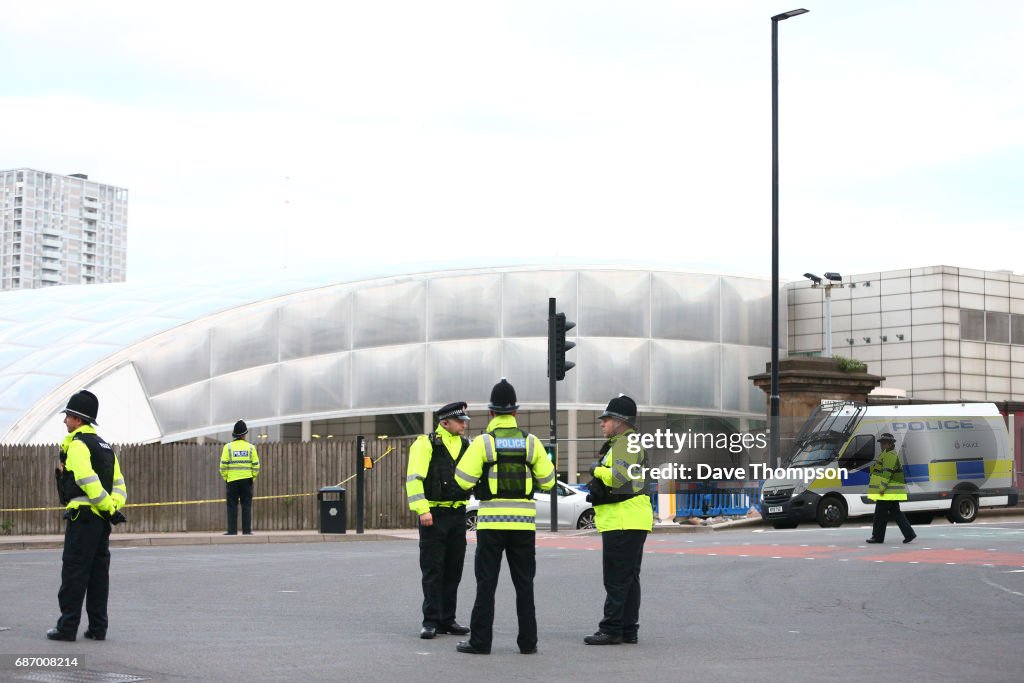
x=553 y=410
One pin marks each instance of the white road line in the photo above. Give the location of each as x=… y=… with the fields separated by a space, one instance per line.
x=1002 y=588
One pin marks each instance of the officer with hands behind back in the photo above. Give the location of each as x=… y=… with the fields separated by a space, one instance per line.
x=90 y=485
x=506 y=465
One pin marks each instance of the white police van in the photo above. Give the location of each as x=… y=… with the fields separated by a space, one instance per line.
x=956 y=458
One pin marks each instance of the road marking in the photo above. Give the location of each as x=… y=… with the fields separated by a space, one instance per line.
x=1002 y=588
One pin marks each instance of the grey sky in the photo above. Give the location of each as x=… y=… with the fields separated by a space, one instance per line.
x=263 y=138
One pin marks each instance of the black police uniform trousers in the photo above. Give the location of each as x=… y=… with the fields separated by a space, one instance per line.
x=621 y=554
x=85 y=573
x=521 y=549
x=239 y=490
x=884 y=510
x=442 y=556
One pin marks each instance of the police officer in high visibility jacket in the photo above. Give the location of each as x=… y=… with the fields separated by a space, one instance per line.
x=239 y=466
x=441 y=505
x=624 y=516
x=91 y=486
x=887 y=487
x=505 y=465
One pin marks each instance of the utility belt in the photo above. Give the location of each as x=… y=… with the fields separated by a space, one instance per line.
x=442 y=510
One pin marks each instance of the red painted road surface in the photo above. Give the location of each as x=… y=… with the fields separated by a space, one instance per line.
x=890 y=552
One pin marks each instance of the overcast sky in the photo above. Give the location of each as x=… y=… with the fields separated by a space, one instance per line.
x=261 y=139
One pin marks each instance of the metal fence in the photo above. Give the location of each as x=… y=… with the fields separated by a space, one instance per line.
x=713 y=499
x=177 y=487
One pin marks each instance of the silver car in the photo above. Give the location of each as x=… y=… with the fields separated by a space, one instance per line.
x=573 y=509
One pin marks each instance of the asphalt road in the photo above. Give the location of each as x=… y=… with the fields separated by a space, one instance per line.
x=740 y=605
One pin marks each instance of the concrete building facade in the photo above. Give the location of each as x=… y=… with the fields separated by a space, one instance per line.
x=939 y=333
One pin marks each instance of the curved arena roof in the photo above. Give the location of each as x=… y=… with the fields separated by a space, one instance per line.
x=170 y=364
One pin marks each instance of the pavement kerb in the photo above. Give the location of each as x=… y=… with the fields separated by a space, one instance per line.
x=37 y=542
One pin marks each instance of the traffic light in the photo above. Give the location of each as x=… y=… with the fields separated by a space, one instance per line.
x=561 y=346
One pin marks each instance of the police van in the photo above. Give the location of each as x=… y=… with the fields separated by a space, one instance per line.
x=956 y=458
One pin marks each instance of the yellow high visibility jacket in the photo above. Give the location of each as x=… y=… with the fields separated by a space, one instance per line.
x=79 y=462
x=615 y=473
x=239 y=460
x=501 y=513
x=887 y=479
x=419 y=464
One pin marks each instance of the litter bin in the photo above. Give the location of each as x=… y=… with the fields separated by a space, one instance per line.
x=332 y=509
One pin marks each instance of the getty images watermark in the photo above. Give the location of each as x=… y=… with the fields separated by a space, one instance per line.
x=734 y=443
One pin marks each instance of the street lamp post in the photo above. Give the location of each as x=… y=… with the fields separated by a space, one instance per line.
x=774 y=395
x=834 y=280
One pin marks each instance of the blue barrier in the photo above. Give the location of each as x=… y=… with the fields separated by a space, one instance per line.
x=713 y=500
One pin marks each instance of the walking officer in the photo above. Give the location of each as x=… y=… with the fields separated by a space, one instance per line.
x=239 y=465
x=624 y=516
x=91 y=486
x=887 y=487
x=505 y=465
x=441 y=506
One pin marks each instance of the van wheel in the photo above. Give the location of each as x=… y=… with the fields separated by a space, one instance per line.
x=964 y=509
x=471 y=521
x=784 y=525
x=586 y=520
x=831 y=512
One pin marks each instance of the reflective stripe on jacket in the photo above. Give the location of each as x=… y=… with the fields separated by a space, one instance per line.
x=499 y=513
x=239 y=460
x=887 y=479
x=79 y=462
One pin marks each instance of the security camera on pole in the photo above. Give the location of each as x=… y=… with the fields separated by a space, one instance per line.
x=834 y=280
x=557 y=367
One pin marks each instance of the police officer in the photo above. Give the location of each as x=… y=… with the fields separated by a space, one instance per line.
x=441 y=506
x=505 y=465
x=92 y=488
x=624 y=516
x=887 y=487
x=239 y=465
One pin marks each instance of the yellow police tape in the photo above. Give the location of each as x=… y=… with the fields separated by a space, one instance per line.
x=201 y=502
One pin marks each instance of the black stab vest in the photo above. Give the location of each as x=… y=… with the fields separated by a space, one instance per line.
x=102 y=457
x=440 y=484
